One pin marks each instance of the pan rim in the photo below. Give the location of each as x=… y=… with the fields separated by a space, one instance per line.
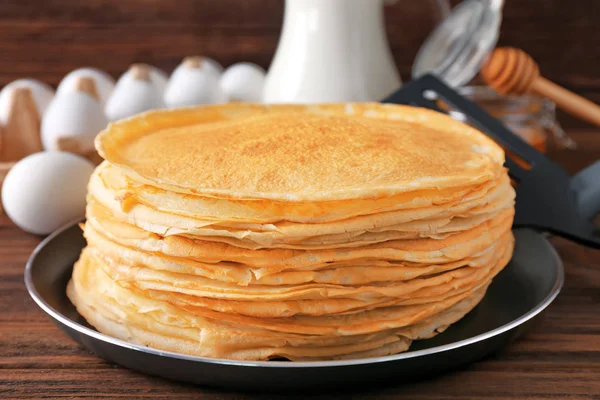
x=62 y=319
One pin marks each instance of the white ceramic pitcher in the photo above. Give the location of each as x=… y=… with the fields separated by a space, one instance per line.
x=332 y=51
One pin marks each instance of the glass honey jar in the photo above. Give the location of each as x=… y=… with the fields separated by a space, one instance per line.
x=531 y=117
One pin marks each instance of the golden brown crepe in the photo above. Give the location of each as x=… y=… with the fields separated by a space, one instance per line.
x=305 y=232
x=301 y=153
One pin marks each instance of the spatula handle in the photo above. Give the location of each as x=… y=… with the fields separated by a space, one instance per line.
x=567 y=100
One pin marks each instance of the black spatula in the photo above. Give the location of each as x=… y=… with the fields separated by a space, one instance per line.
x=548 y=198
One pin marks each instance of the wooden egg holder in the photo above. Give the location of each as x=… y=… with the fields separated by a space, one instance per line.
x=20 y=135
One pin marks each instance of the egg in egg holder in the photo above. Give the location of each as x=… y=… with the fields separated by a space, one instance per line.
x=212 y=66
x=45 y=189
x=194 y=81
x=69 y=123
x=73 y=120
x=139 y=89
x=87 y=99
x=244 y=82
x=206 y=64
x=104 y=83
x=155 y=75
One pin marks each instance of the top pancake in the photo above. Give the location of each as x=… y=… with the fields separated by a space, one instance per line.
x=300 y=153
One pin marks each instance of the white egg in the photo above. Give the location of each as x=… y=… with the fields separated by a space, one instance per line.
x=42 y=95
x=191 y=83
x=243 y=82
x=104 y=82
x=46 y=190
x=137 y=90
x=212 y=66
x=72 y=122
x=133 y=98
x=157 y=76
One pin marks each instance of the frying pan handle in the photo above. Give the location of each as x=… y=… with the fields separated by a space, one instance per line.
x=586 y=185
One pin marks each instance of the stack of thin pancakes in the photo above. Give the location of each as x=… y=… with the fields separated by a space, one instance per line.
x=300 y=232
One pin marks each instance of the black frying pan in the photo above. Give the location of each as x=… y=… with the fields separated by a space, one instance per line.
x=514 y=300
x=547 y=200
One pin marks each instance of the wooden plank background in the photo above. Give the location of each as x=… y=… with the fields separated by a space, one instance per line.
x=45 y=39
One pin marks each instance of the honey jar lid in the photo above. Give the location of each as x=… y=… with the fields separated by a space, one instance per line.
x=457 y=48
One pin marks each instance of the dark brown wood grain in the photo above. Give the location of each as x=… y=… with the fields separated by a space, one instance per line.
x=560 y=358
x=46 y=39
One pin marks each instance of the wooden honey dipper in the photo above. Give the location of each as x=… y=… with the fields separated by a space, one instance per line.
x=512 y=71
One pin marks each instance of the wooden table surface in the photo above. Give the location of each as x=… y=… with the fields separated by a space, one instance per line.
x=559 y=359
